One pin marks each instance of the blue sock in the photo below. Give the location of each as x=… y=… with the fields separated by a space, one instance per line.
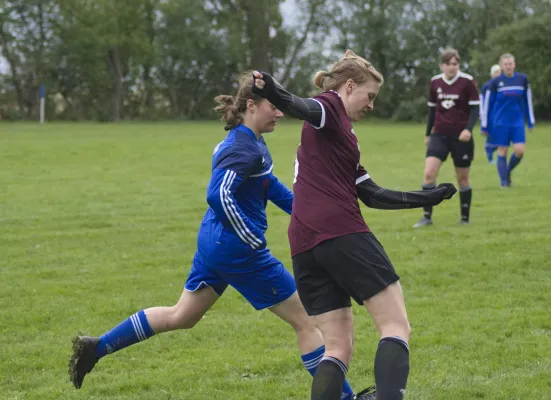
x=311 y=362
x=489 y=151
x=502 y=169
x=131 y=331
x=513 y=162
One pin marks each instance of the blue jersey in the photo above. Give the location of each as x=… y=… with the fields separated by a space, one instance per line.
x=508 y=101
x=241 y=184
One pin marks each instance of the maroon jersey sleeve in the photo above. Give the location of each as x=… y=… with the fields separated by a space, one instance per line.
x=331 y=108
x=472 y=92
x=432 y=96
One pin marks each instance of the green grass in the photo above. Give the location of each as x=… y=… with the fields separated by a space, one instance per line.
x=99 y=221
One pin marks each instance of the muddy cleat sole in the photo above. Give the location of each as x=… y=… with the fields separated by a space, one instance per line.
x=423 y=222
x=367 y=394
x=83 y=358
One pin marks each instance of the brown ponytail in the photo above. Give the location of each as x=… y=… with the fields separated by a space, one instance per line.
x=232 y=109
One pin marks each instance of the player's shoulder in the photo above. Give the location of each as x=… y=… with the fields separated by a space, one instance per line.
x=523 y=77
x=330 y=97
x=239 y=145
x=437 y=77
x=463 y=75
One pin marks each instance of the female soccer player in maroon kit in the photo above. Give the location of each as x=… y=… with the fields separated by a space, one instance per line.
x=453 y=111
x=335 y=255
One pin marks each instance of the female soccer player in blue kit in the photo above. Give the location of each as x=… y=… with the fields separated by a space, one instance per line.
x=231 y=245
x=507 y=103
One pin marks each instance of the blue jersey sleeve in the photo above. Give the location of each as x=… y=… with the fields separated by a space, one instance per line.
x=528 y=107
x=230 y=171
x=280 y=195
x=489 y=100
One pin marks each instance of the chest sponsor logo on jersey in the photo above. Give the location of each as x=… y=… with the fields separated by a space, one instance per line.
x=447 y=100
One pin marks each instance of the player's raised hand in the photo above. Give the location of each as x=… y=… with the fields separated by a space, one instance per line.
x=263 y=84
x=258 y=80
x=448 y=190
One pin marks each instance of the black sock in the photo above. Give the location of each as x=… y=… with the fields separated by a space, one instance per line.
x=465 y=196
x=328 y=380
x=428 y=209
x=391 y=368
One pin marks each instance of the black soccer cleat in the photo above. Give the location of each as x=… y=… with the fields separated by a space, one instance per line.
x=367 y=394
x=83 y=358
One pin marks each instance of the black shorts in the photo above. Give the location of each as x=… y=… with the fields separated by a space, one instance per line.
x=462 y=152
x=354 y=265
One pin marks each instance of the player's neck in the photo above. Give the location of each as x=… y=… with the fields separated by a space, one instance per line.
x=450 y=77
x=510 y=75
x=252 y=127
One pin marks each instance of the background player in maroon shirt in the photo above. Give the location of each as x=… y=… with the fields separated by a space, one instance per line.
x=454 y=108
x=335 y=256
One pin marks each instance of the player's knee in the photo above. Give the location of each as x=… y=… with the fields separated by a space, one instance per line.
x=397 y=328
x=182 y=318
x=463 y=182
x=429 y=177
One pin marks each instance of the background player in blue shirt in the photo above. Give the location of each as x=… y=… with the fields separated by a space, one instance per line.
x=489 y=148
x=231 y=245
x=508 y=100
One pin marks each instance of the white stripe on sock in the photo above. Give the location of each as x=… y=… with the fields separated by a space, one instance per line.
x=314 y=362
x=136 y=329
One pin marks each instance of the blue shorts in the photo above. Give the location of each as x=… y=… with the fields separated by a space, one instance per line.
x=262 y=280
x=505 y=135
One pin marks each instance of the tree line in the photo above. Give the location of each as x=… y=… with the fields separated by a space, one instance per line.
x=111 y=60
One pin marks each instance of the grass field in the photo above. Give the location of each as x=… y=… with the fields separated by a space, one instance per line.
x=99 y=221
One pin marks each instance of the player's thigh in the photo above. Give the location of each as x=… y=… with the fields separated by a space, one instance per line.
x=437 y=153
x=438 y=147
x=292 y=311
x=388 y=310
x=263 y=280
x=462 y=153
x=518 y=138
x=318 y=291
x=358 y=264
x=501 y=136
x=203 y=275
x=192 y=306
x=337 y=329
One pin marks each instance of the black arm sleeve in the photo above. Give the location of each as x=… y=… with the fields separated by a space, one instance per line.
x=473 y=116
x=374 y=196
x=430 y=121
x=297 y=107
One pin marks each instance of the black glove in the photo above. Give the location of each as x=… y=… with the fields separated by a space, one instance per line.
x=447 y=189
x=269 y=86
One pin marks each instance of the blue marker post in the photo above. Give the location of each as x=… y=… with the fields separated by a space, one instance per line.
x=42 y=102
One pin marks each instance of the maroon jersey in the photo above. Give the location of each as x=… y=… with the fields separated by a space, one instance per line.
x=452 y=100
x=327 y=170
